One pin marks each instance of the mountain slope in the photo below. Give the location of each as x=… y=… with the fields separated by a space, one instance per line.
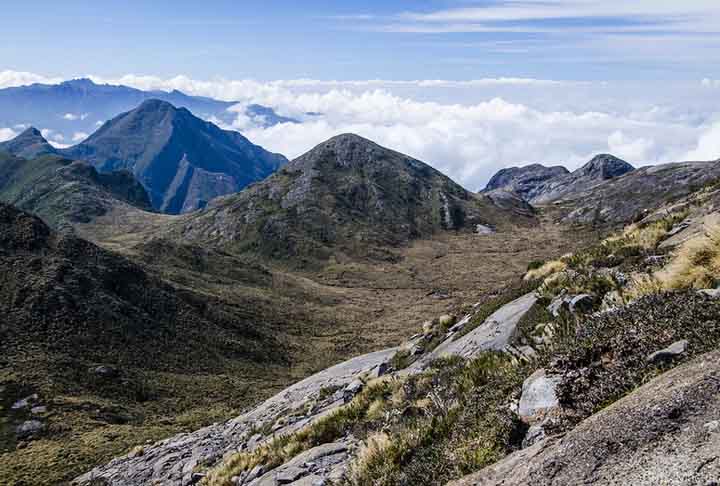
x=63 y=192
x=636 y=193
x=79 y=105
x=181 y=160
x=347 y=195
x=28 y=145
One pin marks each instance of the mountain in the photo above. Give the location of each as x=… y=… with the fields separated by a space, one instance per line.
x=347 y=195
x=538 y=184
x=75 y=108
x=636 y=193
x=600 y=169
x=65 y=192
x=181 y=160
x=524 y=180
x=29 y=144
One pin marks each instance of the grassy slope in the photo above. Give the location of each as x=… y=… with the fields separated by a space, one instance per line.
x=317 y=319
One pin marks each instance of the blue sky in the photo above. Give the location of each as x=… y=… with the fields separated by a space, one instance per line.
x=390 y=39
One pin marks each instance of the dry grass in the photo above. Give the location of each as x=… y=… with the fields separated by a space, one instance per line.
x=325 y=430
x=695 y=265
x=547 y=269
x=373 y=450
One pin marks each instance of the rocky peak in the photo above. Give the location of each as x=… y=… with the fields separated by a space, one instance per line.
x=347 y=150
x=29 y=144
x=604 y=166
x=524 y=181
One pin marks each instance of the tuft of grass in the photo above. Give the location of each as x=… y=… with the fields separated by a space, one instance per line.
x=545 y=270
x=694 y=265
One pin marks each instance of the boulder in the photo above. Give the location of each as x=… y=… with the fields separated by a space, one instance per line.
x=581 y=303
x=25 y=402
x=107 y=372
x=668 y=354
x=539 y=396
x=29 y=429
x=353 y=388
x=482 y=229
x=712 y=293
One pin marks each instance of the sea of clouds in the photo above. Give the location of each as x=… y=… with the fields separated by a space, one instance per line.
x=468 y=129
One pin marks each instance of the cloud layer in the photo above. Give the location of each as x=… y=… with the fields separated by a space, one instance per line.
x=545 y=121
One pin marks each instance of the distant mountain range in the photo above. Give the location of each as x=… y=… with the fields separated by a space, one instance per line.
x=78 y=107
x=182 y=161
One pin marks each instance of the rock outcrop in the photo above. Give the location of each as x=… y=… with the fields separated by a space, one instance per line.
x=666 y=432
x=525 y=181
x=172 y=461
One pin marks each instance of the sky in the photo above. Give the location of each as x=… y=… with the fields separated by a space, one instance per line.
x=467 y=86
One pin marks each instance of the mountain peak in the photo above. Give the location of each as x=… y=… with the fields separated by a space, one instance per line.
x=348 y=150
x=181 y=160
x=31 y=132
x=79 y=83
x=29 y=144
x=605 y=166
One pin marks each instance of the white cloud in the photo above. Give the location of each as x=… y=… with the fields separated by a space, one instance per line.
x=467 y=141
x=470 y=129
x=641 y=149
x=7 y=134
x=74 y=117
x=710 y=83
x=54 y=138
x=689 y=11
x=708 y=146
x=79 y=136
x=10 y=79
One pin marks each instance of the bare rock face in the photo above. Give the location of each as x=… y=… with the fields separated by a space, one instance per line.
x=665 y=432
x=524 y=181
x=600 y=169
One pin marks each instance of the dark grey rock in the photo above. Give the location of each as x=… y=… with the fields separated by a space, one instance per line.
x=106 y=372
x=352 y=389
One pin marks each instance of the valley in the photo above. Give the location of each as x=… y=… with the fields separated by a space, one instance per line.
x=350 y=317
